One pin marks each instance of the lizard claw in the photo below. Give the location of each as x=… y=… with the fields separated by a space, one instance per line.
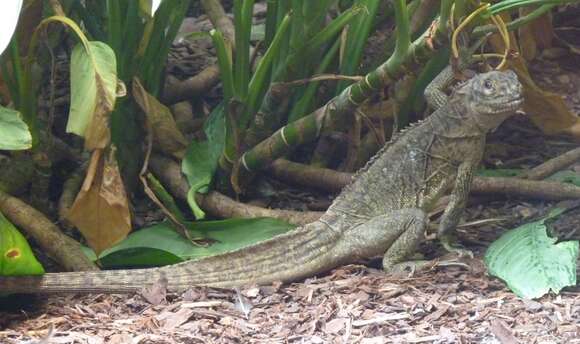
x=409 y=268
x=453 y=247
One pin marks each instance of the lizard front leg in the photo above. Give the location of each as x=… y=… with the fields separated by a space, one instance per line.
x=454 y=209
x=434 y=92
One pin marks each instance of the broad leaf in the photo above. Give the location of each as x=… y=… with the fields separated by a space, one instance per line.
x=160 y=244
x=201 y=158
x=14 y=134
x=93 y=93
x=101 y=209
x=9 y=13
x=16 y=257
x=530 y=262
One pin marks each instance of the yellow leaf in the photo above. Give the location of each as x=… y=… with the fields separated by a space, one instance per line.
x=101 y=209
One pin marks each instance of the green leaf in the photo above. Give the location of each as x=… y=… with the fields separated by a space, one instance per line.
x=569 y=177
x=14 y=133
x=93 y=84
x=161 y=244
x=16 y=257
x=530 y=262
x=201 y=158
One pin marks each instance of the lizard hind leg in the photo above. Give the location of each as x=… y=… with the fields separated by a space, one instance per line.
x=412 y=230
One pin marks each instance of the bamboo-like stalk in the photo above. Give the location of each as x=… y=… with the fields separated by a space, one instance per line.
x=407 y=56
x=260 y=129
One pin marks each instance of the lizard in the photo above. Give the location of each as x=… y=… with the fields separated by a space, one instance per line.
x=382 y=212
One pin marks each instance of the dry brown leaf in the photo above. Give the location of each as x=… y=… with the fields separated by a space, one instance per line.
x=101 y=209
x=535 y=35
x=98 y=134
x=547 y=110
x=166 y=135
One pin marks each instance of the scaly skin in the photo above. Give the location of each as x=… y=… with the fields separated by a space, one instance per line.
x=382 y=212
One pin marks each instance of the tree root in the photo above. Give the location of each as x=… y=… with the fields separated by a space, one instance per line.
x=66 y=251
x=176 y=91
x=333 y=181
x=216 y=204
x=553 y=165
x=537 y=189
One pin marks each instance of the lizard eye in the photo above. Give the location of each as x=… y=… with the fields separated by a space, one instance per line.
x=488 y=84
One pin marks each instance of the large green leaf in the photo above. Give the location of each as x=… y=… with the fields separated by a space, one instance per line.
x=161 y=244
x=93 y=84
x=16 y=257
x=14 y=133
x=201 y=158
x=530 y=262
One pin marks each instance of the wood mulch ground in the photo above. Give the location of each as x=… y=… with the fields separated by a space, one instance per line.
x=353 y=304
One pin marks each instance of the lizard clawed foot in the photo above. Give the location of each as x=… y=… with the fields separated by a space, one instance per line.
x=409 y=268
x=450 y=244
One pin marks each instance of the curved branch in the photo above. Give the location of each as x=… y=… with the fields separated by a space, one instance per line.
x=66 y=251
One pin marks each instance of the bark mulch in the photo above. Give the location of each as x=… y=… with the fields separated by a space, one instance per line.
x=353 y=304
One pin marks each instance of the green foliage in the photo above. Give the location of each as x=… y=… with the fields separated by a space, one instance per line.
x=14 y=134
x=201 y=159
x=93 y=72
x=141 y=44
x=530 y=262
x=356 y=37
x=569 y=177
x=160 y=244
x=16 y=257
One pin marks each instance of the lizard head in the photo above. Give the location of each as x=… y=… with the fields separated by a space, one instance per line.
x=492 y=97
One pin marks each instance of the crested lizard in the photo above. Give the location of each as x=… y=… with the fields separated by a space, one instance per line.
x=382 y=212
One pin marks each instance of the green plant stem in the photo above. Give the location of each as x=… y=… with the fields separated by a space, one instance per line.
x=269 y=120
x=512 y=4
x=219 y=18
x=308 y=128
x=515 y=24
x=243 y=25
x=305 y=103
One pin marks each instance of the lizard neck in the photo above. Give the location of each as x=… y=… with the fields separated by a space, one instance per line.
x=454 y=121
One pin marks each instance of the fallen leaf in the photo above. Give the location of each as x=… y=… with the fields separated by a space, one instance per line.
x=101 y=209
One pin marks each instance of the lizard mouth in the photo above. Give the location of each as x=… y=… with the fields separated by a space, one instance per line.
x=511 y=105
